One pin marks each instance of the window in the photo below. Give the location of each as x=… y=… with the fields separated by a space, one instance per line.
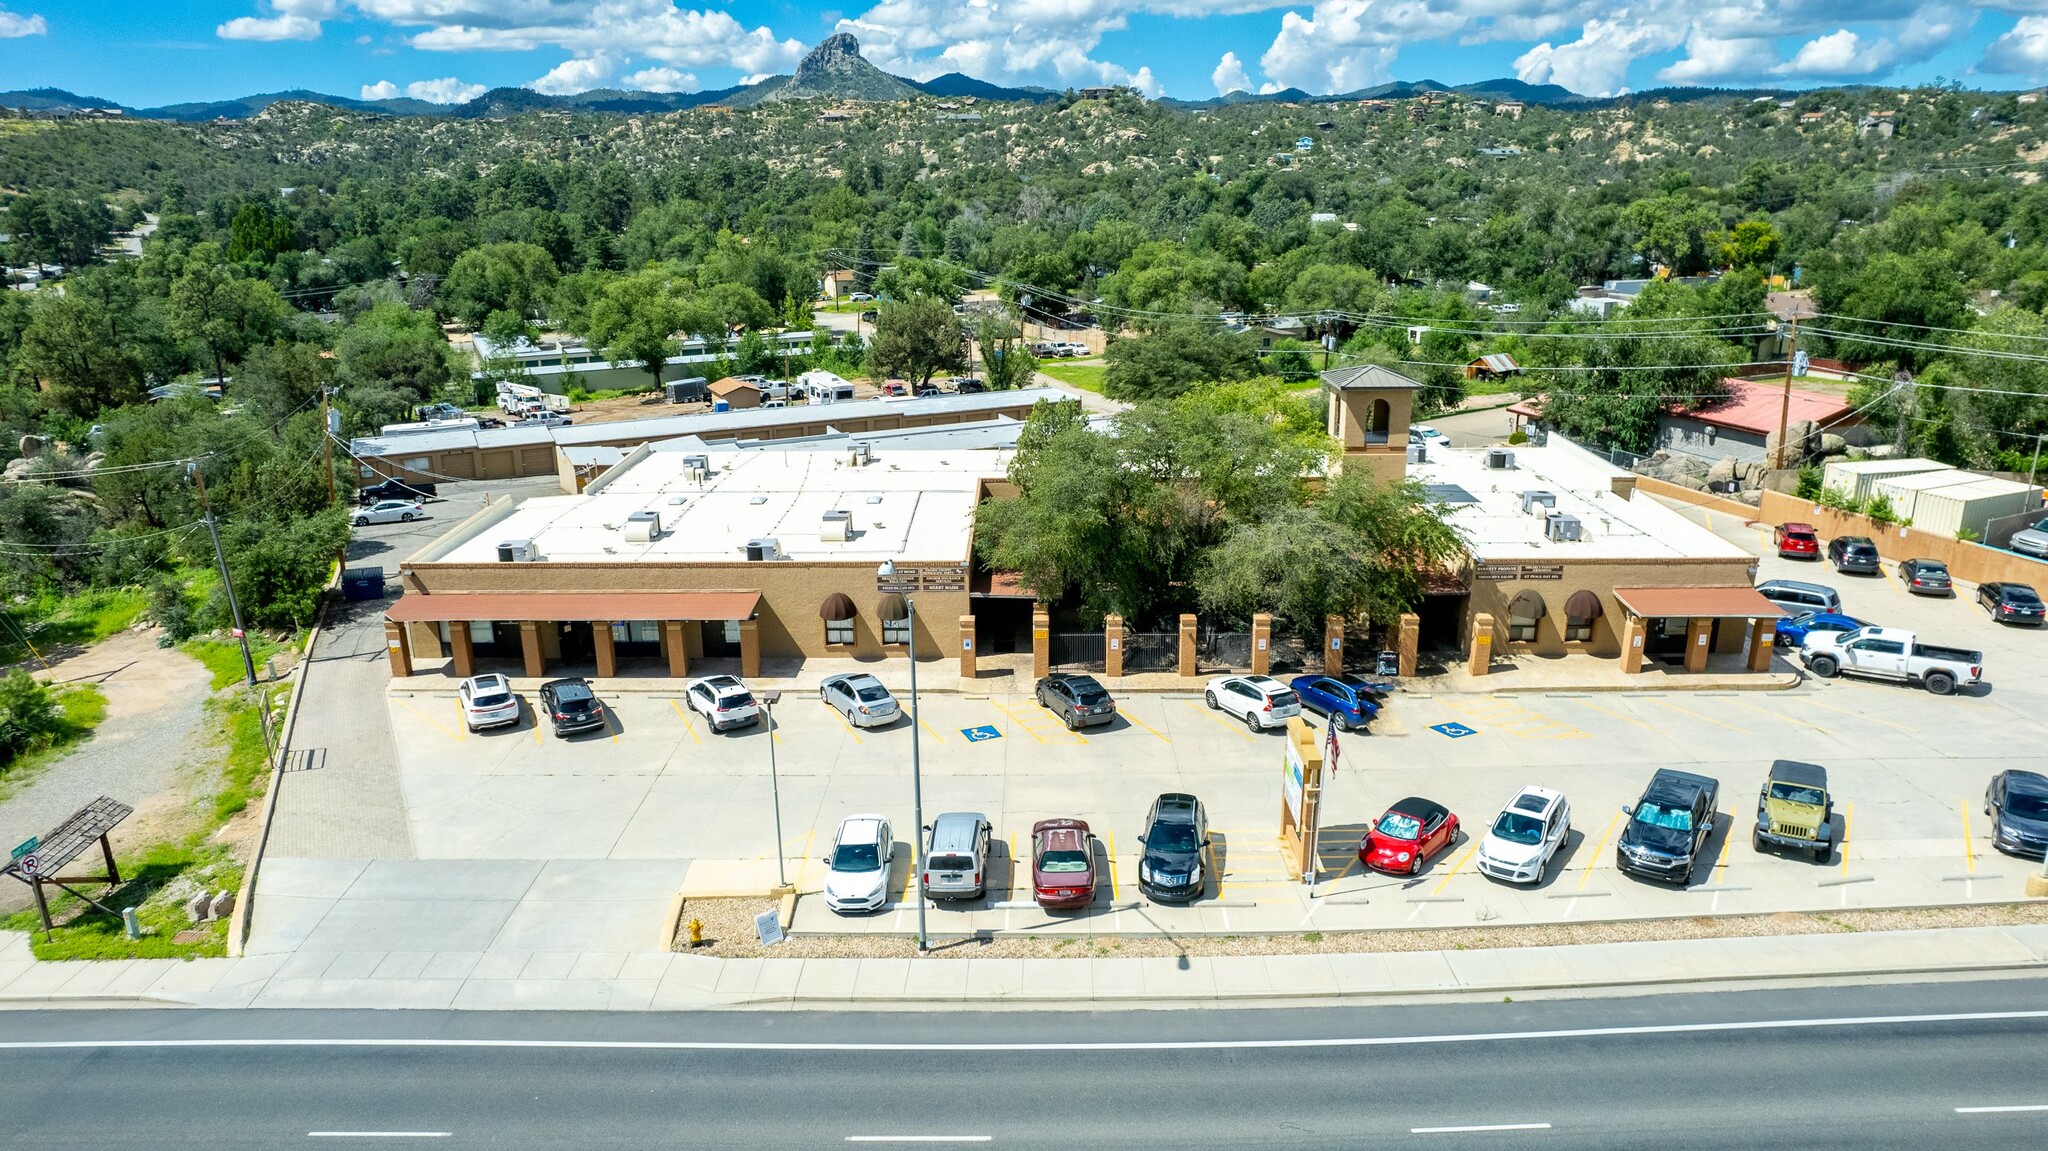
x=637 y=631
x=1577 y=629
x=1521 y=629
x=417 y=463
x=838 y=631
x=896 y=631
x=479 y=632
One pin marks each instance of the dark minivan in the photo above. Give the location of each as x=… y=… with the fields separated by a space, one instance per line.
x=1854 y=554
x=1668 y=827
x=1176 y=844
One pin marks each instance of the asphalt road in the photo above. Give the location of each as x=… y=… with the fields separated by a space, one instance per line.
x=1863 y=1067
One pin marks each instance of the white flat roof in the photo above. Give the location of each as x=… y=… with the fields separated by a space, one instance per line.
x=906 y=504
x=1495 y=527
x=1886 y=467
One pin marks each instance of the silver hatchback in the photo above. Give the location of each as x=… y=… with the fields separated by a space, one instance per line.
x=955 y=857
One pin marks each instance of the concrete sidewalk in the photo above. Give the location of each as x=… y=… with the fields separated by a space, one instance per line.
x=662 y=981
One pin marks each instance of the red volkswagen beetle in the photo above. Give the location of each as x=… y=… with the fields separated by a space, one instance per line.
x=1407 y=835
x=1062 y=863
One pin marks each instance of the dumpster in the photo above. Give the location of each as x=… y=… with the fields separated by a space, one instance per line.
x=362 y=583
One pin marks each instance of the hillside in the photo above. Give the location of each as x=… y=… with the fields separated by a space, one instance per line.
x=835 y=70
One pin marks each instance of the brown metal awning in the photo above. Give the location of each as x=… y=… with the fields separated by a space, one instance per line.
x=571 y=607
x=837 y=607
x=1697 y=602
x=1583 y=605
x=1527 y=605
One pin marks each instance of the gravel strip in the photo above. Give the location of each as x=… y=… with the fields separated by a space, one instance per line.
x=729 y=926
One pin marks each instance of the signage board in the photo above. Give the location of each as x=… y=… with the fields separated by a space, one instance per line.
x=24 y=847
x=1496 y=571
x=907 y=579
x=1542 y=571
x=1293 y=777
x=768 y=925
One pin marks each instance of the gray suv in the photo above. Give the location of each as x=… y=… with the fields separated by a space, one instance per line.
x=1798 y=596
x=956 y=856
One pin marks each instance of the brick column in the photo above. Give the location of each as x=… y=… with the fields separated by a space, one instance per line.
x=750 y=648
x=1632 y=635
x=1697 y=634
x=1762 y=634
x=1408 y=641
x=1041 y=643
x=462 y=648
x=1481 y=659
x=1187 y=645
x=678 y=647
x=607 y=650
x=967 y=653
x=529 y=647
x=399 y=647
x=1113 y=646
x=1333 y=645
x=1262 y=643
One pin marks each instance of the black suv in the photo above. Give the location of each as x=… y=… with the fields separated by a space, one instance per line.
x=1078 y=700
x=394 y=490
x=1668 y=828
x=570 y=706
x=1174 y=866
x=1854 y=554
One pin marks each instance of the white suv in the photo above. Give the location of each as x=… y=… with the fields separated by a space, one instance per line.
x=1525 y=836
x=723 y=701
x=857 y=871
x=1259 y=700
x=487 y=701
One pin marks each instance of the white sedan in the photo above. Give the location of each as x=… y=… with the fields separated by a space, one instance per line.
x=861 y=698
x=1427 y=436
x=857 y=871
x=390 y=512
x=1525 y=836
x=487 y=701
x=1259 y=700
x=723 y=701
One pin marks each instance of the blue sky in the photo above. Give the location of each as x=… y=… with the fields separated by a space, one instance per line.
x=144 y=54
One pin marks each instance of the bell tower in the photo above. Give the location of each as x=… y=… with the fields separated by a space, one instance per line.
x=1369 y=408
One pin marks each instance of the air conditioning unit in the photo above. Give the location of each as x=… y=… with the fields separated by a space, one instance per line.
x=697 y=460
x=764 y=549
x=1499 y=458
x=643 y=527
x=1417 y=454
x=517 y=551
x=1561 y=527
x=835 y=526
x=1538 y=502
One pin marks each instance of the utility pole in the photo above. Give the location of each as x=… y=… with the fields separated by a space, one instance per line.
x=327 y=443
x=2031 y=469
x=1785 y=401
x=227 y=585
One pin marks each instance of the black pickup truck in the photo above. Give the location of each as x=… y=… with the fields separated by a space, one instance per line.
x=394 y=490
x=1668 y=828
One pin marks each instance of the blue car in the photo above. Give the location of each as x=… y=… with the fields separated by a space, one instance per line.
x=1347 y=697
x=1793 y=630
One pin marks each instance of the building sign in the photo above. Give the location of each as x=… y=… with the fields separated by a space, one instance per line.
x=907 y=580
x=1291 y=782
x=1542 y=571
x=1484 y=571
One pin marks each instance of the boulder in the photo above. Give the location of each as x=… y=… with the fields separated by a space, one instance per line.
x=1722 y=471
x=32 y=445
x=1832 y=444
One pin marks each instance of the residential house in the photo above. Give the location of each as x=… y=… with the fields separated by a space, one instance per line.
x=1741 y=423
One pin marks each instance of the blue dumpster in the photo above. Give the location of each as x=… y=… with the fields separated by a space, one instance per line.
x=362 y=583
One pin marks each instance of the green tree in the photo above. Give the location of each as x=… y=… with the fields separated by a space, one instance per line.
x=1752 y=244
x=509 y=277
x=29 y=716
x=74 y=345
x=50 y=227
x=226 y=313
x=635 y=318
x=1674 y=231
x=910 y=278
x=259 y=231
x=915 y=340
x=278 y=379
x=389 y=362
x=1175 y=357
x=1006 y=360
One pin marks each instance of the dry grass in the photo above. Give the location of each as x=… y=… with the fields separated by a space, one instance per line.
x=729 y=928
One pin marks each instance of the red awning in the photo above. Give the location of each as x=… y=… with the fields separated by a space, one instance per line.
x=567 y=607
x=1697 y=602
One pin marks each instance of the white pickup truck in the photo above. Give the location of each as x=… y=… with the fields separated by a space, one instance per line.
x=1891 y=653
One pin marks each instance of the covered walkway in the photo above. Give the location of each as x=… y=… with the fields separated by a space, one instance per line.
x=573 y=627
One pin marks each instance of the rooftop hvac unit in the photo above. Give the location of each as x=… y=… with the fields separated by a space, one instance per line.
x=517 y=551
x=1538 y=436
x=836 y=525
x=643 y=527
x=1417 y=454
x=1539 y=502
x=764 y=549
x=860 y=454
x=1561 y=527
x=1499 y=458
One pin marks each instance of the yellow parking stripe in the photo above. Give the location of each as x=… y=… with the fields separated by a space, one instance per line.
x=1593 y=860
x=1143 y=724
x=1969 y=849
x=461 y=723
x=1699 y=716
x=1848 y=814
x=1768 y=714
x=1721 y=865
x=1020 y=723
x=687 y=725
x=1456 y=868
x=430 y=719
x=1214 y=718
x=1590 y=705
x=1858 y=716
x=928 y=731
x=843 y=723
x=1112 y=865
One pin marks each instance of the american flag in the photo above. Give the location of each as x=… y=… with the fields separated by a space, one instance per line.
x=1330 y=747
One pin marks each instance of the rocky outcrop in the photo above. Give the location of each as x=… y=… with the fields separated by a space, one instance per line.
x=835 y=70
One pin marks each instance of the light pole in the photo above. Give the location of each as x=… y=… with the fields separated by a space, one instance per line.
x=885 y=574
x=768 y=698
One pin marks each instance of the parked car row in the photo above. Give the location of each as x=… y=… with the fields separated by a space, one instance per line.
x=2007 y=602
x=1057 y=349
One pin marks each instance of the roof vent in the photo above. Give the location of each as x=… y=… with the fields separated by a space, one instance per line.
x=764 y=549
x=643 y=527
x=1561 y=527
x=517 y=551
x=1538 y=502
x=835 y=526
x=860 y=454
x=1499 y=458
x=757 y=501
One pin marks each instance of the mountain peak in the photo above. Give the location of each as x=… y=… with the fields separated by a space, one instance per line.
x=835 y=69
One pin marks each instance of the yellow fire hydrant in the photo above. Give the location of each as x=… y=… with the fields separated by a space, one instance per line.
x=696 y=933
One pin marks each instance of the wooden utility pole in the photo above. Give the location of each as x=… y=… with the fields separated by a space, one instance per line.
x=1785 y=400
x=227 y=585
x=327 y=444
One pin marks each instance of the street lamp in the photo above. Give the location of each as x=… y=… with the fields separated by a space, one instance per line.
x=893 y=608
x=769 y=697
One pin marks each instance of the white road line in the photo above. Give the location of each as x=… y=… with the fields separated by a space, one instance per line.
x=2001 y=1110
x=919 y=1138
x=378 y=1134
x=1124 y=1045
x=1479 y=1127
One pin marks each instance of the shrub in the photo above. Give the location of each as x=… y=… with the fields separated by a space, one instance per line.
x=1809 y=484
x=1880 y=509
x=29 y=718
x=1836 y=500
x=172 y=609
x=1965 y=535
x=1518 y=436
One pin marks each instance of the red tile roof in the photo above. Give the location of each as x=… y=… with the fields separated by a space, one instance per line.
x=1752 y=406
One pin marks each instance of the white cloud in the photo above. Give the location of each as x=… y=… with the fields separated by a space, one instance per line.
x=446 y=90
x=381 y=90
x=2022 y=51
x=1144 y=81
x=1344 y=45
x=661 y=80
x=14 y=26
x=293 y=20
x=1839 y=53
x=1597 y=63
x=1230 y=76
x=1710 y=58
x=580 y=74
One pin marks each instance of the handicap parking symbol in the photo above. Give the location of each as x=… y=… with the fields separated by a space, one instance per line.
x=981 y=734
x=1454 y=730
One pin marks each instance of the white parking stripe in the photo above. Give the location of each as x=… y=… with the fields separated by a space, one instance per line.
x=1479 y=1127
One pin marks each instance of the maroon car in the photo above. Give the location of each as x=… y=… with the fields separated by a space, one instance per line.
x=1062 y=863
